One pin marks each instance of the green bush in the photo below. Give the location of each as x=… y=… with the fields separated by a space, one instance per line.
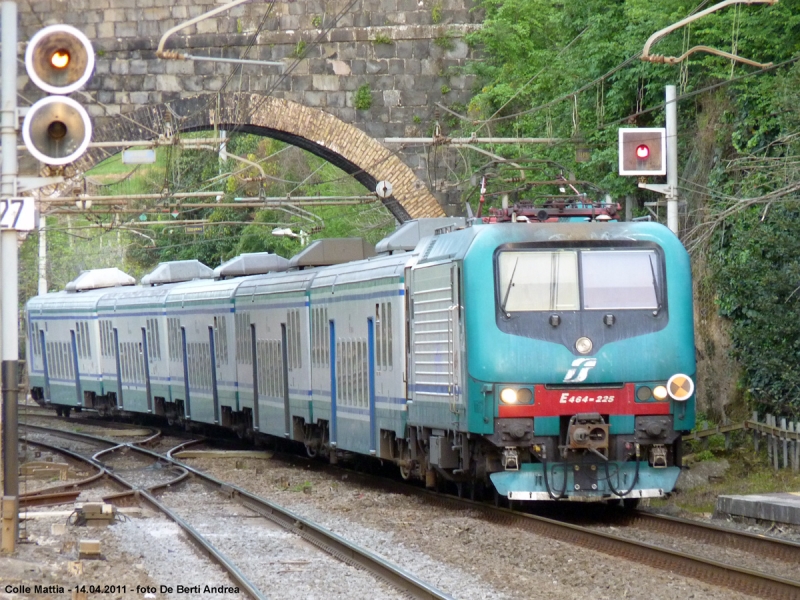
x=363 y=98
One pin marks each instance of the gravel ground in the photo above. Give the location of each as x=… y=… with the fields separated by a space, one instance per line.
x=457 y=551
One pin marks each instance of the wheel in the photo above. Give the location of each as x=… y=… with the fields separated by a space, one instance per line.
x=59 y=411
x=66 y=412
x=311 y=451
x=405 y=471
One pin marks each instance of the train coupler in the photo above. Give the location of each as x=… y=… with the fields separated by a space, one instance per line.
x=511 y=458
x=658 y=456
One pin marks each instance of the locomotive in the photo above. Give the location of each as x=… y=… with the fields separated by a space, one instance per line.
x=540 y=355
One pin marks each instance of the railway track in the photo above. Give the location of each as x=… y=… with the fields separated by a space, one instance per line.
x=613 y=538
x=161 y=494
x=665 y=556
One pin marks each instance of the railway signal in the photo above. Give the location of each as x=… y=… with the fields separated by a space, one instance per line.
x=642 y=151
x=59 y=60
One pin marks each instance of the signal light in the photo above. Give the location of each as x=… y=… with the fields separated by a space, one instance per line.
x=642 y=151
x=59 y=59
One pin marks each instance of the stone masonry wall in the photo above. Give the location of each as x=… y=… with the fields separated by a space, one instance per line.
x=410 y=53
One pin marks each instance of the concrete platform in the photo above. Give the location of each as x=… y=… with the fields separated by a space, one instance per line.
x=783 y=507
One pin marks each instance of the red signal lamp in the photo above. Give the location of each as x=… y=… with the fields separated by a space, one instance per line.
x=642 y=151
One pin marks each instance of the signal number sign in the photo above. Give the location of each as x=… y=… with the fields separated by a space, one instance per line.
x=17 y=213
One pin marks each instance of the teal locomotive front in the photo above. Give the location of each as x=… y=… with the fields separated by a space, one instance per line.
x=578 y=371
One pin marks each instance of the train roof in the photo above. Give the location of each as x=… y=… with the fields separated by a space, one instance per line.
x=67 y=301
x=455 y=245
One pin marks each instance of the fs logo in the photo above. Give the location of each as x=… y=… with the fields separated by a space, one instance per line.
x=580 y=369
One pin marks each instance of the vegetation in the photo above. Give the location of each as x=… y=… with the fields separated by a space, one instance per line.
x=436 y=13
x=363 y=98
x=381 y=38
x=572 y=71
x=445 y=41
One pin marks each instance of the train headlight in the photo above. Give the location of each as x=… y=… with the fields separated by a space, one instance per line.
x=680 y=387
x=583 y=345
x=508 y=396
x=660 y=392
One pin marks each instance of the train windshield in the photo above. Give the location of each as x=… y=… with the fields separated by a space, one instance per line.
x=574 y=279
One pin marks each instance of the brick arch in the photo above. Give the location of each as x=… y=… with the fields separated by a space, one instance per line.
x=322 y=134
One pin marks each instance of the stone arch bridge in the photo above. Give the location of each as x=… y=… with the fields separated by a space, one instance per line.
x=408 y=54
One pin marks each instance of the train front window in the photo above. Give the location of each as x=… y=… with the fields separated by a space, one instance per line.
x=538 y=280
x=575 y=279
x=620 y=279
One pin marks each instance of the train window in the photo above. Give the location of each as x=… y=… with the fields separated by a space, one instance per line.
x=88 y=339
x=174 y=338
x=621 y=279
x=538 y=280
x=243 y=342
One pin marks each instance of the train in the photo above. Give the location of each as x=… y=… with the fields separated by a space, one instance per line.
x=541 y=356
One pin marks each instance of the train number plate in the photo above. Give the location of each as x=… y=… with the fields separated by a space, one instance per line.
x=578 y=398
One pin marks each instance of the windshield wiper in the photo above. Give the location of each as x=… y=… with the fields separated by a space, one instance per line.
x=655 y=287
x=510 y=284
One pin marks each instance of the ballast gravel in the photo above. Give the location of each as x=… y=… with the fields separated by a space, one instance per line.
x=454 y=550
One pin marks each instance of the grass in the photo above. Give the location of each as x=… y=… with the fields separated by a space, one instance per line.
x=749 y=473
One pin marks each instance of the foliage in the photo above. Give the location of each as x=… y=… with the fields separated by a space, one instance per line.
x=363 y=98
x=436 y=13
x=300 y=49
x=316 y=21
x=757 y=274
x=445 y=41
x=735 y=140
x=381 y=38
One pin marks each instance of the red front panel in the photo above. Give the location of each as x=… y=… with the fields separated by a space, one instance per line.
x=614 y=401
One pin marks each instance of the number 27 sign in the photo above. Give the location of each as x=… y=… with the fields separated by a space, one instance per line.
x=17 y=213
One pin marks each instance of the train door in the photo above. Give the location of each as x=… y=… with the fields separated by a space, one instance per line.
x=186 y=384
x=332 y=338
x=118 y=362
x=74 y=346
x=435 y=373
x=44 y=365
x=254 y=364
x=371 y=378
x=214 y=390
x=285 y=367
x=147 y=387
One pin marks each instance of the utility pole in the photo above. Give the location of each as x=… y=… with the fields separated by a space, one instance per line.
x=9 y=309
x=670 y=189
x=672 y=159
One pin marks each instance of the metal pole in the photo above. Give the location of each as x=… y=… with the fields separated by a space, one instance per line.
x=42 y=254
x=672 y=159
x=9 y=336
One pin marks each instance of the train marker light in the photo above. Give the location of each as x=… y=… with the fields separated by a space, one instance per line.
x=660 y=392
x=643 y=151
x=680 y=387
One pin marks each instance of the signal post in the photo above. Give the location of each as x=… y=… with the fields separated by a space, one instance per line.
x=59 y=59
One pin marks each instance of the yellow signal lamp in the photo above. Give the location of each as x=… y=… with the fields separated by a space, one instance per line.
x=60 y=59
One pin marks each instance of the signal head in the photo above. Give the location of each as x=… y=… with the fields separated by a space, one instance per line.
x=59 y=59
x=642 y=151
x=56 y=130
